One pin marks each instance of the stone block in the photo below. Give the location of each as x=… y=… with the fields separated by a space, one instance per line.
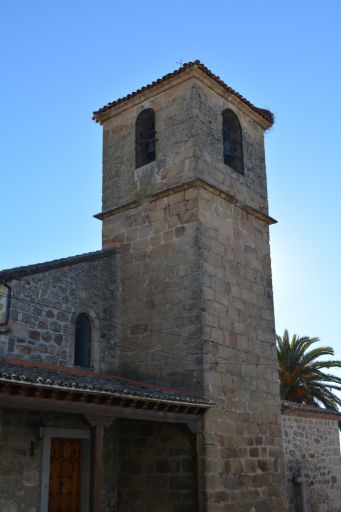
x=177 y=197
x=56 y=327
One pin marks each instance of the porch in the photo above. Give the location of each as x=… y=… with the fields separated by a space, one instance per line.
x=76 y=441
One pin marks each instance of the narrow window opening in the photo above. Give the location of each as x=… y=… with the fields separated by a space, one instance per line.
x=83 y=341
x=232 y=141
x=5 y=299
x=145 y=138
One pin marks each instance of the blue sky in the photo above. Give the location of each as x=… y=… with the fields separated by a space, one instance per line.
x=62 y=60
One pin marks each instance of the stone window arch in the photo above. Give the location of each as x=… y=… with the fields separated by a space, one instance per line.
x=232 y=141
x=83 y=341
x=145 y=142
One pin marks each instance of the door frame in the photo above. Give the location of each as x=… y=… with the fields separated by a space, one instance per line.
x=66 y=433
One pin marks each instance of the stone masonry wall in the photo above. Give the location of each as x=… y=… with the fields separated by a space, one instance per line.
x=44 y=308
x=174 y=119
x=161 y=270
x=189 y=145
x=159 y=306
x=250 y=188
x=198 y=266
x=210 y=277
x=157 y=468
x=243 y=443
x=19 y=473
x=313 y=445
x=194 y=304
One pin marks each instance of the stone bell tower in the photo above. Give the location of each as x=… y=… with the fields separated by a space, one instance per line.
x=184 y=193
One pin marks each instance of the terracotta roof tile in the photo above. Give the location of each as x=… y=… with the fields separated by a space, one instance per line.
x=300 y=409
x=84 y=380
x=266 y=114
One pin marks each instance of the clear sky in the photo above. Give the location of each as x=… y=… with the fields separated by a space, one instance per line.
x=60 y=60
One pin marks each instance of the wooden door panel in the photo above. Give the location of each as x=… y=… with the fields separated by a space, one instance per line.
x=65 y=468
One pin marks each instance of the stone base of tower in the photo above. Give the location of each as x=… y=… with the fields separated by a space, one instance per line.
x=197 y=282
x=243 y=456
x=243 y=461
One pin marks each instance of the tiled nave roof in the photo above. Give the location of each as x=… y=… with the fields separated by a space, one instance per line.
x=37 y=268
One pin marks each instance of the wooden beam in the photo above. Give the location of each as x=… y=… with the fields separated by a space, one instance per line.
x=194 y=424
x=79 y=407
x=196 y=428
x=200 y=469
x=96 y=469
x=98 y=423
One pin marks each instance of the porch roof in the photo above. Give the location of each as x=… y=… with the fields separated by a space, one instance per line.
x=30 y=379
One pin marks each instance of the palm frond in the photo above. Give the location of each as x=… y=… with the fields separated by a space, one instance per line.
x=301 y=374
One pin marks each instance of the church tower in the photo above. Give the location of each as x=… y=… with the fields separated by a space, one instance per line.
x=185 y=196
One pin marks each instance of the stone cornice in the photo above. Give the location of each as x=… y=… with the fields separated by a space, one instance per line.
x=185 y=186
x=232 y=98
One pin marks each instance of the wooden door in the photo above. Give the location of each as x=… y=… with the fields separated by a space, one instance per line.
x=65 y=470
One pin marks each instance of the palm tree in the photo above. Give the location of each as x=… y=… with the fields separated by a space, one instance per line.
x=301 y=374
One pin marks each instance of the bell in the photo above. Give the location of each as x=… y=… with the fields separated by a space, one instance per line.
x=227 y=149
x=150 y=147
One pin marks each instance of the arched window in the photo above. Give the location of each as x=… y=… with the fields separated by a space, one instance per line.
x=232 y=141
x=145 y=137
x=83 y=341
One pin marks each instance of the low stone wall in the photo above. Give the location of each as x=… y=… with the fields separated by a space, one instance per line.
x=312 y=443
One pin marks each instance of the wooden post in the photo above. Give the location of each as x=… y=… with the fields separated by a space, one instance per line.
x=96 y=460
x=200 y=471
x=196 y=428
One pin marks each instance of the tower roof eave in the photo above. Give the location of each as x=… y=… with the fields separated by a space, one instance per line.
x=265 y=116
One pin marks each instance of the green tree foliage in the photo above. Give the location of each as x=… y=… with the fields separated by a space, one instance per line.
x=301 y=372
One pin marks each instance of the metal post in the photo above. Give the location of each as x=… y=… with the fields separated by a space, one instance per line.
x=300 y=480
